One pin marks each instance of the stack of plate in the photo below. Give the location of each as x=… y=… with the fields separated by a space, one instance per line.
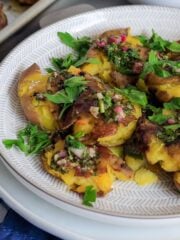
x=44 y=200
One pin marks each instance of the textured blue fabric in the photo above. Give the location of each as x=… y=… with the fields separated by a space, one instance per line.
x=15 y=227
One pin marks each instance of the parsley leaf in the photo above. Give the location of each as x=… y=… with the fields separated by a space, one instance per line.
x=174 y=47
x=80 y=45
x=159 y=67
x=156 y=42
x=73 y=141
x=157 y=116
x=60 y=64
x=30 y=140
x=134 y=95
x=85 y=59
x=89 y=196
x=73 y=87
x=174 y=104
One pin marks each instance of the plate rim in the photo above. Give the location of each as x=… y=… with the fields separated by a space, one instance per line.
x=76 y=205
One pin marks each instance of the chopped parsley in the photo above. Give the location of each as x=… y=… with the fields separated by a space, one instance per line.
x=161 y=67
x=73 y=141
x=122 y=60
x=134 y=95
x=89 y=196
x=73 y=87
x=156 y=42
x=169 y=133
x=30 y=140
x=174 y=104
x=80 y=45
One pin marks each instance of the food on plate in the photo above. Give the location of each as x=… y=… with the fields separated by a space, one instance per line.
x=108 y=111
x=3 y=18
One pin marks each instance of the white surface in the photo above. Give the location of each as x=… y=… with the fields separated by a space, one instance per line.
x=68 y=226
x=24 y=18
x=170 y=3
x=126 y=199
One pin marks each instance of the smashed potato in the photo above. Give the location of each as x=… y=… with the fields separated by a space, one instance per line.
x=32 y=84
x=108 y=168
x=164 y=88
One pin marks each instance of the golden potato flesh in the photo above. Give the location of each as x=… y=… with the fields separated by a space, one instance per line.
x=156 y=151
x=108 y=168
x=164 y=88
x=167 y=156
x=124 y=132
x=41 y=112
x=102 y=70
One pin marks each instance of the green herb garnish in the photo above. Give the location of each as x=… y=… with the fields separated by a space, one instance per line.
x=161 y=67
x=73 y=87
x=134 y=95
x=174 y=104
x=80 y=45
x=156 y=42
x=73 y=141
x=169 y=133
x=157 y=116
x=123 y=60
x=30 y=140
x=89 y=196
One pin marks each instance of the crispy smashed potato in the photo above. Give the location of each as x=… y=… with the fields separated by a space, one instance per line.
x=156 y=151
x=36 y=109
x=123 y=132
x=164 y=88
x=108 y=169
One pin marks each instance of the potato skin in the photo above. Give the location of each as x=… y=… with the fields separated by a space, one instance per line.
x=164 y=88
x=42 y=113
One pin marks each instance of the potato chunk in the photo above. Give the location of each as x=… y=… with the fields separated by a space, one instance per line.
x=164 y=88
x=41 y=112
x=144 y=176
x=123 y=132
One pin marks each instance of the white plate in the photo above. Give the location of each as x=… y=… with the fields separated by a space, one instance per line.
x=126 y=199
x=71 y=227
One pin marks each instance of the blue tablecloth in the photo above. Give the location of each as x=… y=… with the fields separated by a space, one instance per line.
x=14 y=227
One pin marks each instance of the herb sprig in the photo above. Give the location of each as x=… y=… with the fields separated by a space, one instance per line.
x=90 y=196
x=156 y=42
x=73 y=87
x=134 y=95
x=80 y=46
x=30 y=140
x=159 y=66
